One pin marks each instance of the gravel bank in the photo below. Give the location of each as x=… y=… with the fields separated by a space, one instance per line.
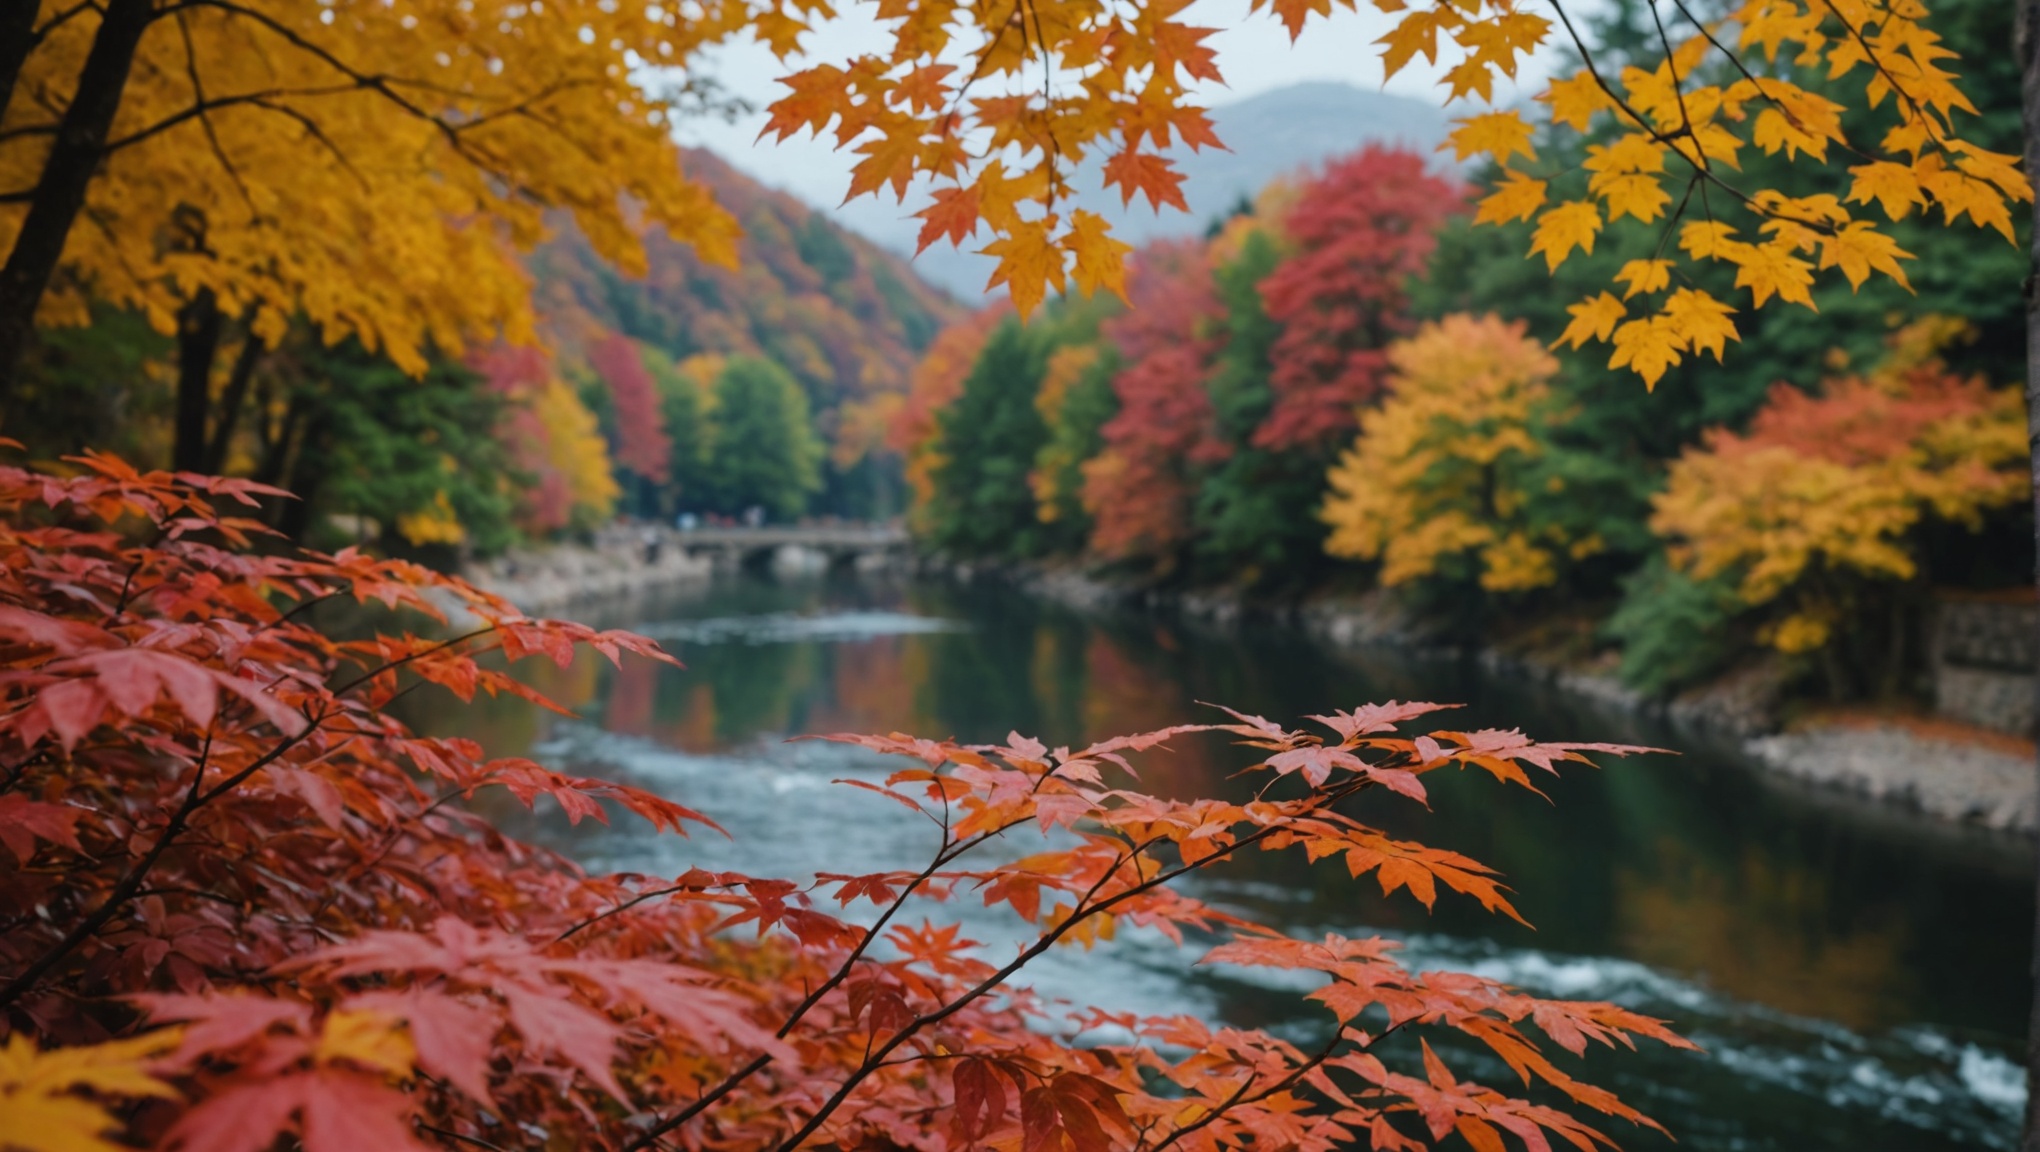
x=1943 y=776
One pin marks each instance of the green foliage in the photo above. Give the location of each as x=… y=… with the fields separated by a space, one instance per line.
x=1675 y=631
x=1255 y=515
x=92 y=388
x=683 y=406
x=1075 y=435
x=397 y=450
x=987 y=442
x=764 y=451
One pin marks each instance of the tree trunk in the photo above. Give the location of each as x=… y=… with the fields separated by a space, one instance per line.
x=198 y=345
x=60 y=192
x=231 y=402
x=17 y=40
x=2026 y=42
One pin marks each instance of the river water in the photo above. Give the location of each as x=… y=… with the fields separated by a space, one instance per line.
x=1857 y=979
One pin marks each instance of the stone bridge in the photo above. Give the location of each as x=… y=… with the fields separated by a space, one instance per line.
x=796 y=547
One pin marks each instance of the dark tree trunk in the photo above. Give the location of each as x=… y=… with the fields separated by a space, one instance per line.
x=198 y=345
x=60 y=192
x=306 y=474
x=231 y=402
x=17 y=40
x=2026 y=42
x=276 y=455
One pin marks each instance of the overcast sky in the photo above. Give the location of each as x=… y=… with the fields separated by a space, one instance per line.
x=1253 y=52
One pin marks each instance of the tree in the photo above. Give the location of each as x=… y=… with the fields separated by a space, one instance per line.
x=765 y=452
x=1075 y=403
x=1254 y=511
x=686 y=410
x=362 y=165
x=1439 y=481
x=1817 y=510
x=1139 y=490
x=642 y=447
x=1360 y=232
x=313 y=945
x=987 y=441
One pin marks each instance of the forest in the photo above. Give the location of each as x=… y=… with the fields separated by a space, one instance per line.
x=1359 y=381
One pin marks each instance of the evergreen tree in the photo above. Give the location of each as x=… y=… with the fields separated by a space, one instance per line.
x=765 y=452
x=1256 y=515
x=987 y=442
x=684 y=404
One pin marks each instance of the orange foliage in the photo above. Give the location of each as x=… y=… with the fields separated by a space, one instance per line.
x=1829 y=487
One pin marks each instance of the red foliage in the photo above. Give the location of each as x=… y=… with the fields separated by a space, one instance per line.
x=223 y=846
x=1854 y=421
x=1138 y=490
x=1361 y=230
x=641 y=442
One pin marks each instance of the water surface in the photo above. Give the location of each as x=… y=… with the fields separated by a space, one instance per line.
x=1857 y=977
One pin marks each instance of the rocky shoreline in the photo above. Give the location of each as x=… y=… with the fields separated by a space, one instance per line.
x=618 y=563
x=1942 y=770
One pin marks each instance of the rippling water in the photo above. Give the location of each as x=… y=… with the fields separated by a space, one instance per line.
x=1858 y=979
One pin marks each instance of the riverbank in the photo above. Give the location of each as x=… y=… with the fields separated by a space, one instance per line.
x=616 y=563
x=1941 y=769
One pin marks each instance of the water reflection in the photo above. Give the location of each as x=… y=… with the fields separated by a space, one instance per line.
x=1859 y=981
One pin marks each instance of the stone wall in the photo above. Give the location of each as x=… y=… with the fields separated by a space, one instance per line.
x=1984 y=662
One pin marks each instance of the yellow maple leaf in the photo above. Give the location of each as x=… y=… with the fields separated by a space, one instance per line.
x=1859 y=249
x=1575 y=100
x=1029 y=262
x=1572 y=224
x=1414 y=34
x=1518 y=198
x=1100 y=257
x=1592 y=319
x=1631 y=194
x=1709 y=240
x=38 y=1113
x=1647 y=347
x=1700 y=321
x=1497 y=134
x=1645 y=276
x=371 y=1039
x=1771 y=269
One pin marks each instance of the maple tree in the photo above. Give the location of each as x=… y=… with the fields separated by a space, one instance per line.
x=1139 y=489
x=553 y=439
x=642 y=445
x=1440 y=475
x=1815 y=509
x=1360 y=231
x=242 y=893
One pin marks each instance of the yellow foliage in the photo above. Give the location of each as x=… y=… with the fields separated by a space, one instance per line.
x=436 y=524
x=574 y=446
x=40 y=1110
x=1065 y=367
x=1830 y=488
x=1436 y=470
x=1680 y=134
x=371 y=167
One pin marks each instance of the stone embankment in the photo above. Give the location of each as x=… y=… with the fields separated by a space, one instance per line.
x=1968 y=763
x=618 y=563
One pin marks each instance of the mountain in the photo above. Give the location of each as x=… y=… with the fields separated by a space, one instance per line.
x=1270 y=135
x=847 y=317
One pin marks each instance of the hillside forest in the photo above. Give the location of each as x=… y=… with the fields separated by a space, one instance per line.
x=693 y=387
x=1346 y=385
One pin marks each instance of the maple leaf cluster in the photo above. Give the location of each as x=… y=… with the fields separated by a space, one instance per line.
x=1672 y=139
x=245 y=903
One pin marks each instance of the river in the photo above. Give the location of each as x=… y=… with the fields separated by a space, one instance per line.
x=1857 y=978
